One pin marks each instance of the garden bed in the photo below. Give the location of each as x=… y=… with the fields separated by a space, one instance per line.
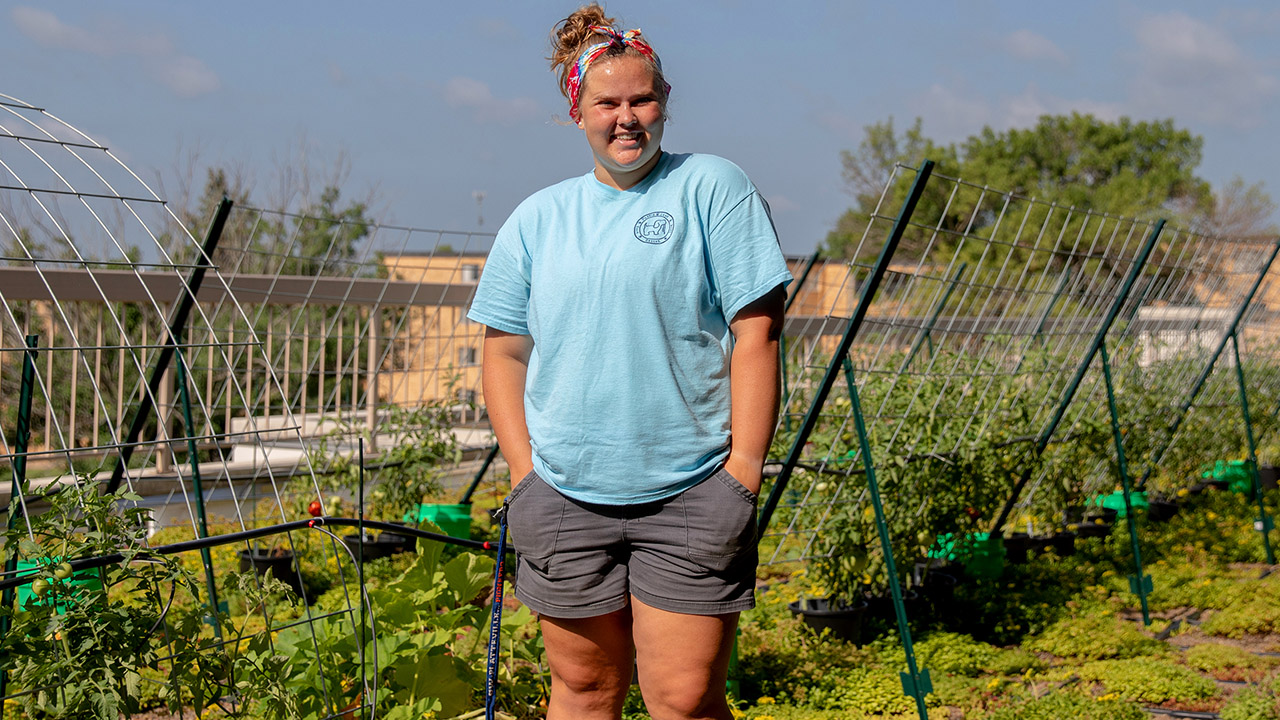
x=1056 y=637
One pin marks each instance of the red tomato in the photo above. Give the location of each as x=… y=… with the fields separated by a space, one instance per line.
x=315 y=508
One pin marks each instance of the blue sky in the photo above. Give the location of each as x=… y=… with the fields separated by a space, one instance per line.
x=430 y=102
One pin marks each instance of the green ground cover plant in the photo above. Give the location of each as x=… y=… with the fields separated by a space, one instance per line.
x=1153 y=681
x=1252 y=703
x=1227 y=662
x=1094 y=636
x=1069 y=704
x=1057 y=637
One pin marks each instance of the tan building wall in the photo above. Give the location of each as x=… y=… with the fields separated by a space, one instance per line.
x=436 y=350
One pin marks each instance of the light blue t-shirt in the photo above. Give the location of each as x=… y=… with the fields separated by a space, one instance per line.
x=627 y=295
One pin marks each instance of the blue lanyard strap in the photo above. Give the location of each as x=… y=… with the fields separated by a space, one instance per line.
x=495 y=617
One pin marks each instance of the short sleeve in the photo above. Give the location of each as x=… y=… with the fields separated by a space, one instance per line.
x=746 y=260
x=502 y=297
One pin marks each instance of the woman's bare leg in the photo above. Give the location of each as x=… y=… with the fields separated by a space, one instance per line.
x=683 y=662
x=590 y=661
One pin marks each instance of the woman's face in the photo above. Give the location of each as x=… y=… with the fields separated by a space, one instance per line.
x=621 y=114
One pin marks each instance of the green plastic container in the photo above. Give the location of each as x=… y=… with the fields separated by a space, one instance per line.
x=979 y=553
x=90 y=579
x=1237 y=473
x=1115 y=501
x=454 y=520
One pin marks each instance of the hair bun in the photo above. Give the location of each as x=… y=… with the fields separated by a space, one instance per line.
x=572 y=35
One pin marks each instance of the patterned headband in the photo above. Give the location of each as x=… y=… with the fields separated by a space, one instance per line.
x=630 y=38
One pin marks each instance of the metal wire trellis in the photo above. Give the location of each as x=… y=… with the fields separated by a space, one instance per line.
x=990 y=307
x=97 y=267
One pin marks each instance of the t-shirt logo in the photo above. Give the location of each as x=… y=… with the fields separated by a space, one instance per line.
x=655 y=228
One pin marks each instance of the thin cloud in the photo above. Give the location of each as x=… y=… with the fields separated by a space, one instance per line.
x=497 y=28
x=468 y=94
x=1191 y=69
x=779 y=204
x=183 y=74
x=336 y=74
x=1033 y=47
x=1026 y=108
x=954 y=114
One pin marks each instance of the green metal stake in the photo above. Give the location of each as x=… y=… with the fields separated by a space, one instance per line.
x=1042 y=442
x=851 y=330
x=915 y=682
x=202 y=518
x=177 y=321
x=1139 y=583
x=933 y=317
x=22 y=439
x=475 y=482
x=782 y=339
x=1264 y=521
x=1196 y=387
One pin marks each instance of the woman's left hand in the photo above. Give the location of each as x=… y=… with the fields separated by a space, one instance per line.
x=750 y=474
x=754 y=386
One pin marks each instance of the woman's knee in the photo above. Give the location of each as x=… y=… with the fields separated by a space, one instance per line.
x=590 y=661
x=677 y=696
x=587 y=691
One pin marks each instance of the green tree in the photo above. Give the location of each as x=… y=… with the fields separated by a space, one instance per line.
x=865 y=173
x=327 y=237
x=1122 y=167
x=1078 y=162
x=1242 y=210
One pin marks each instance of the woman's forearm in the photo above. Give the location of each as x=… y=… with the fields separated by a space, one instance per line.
x=754 y=387
x=505 y=365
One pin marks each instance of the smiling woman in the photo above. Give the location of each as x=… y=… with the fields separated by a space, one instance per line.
x=631 y=376
x=623 y=118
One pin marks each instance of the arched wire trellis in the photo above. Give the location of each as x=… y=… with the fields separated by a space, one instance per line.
x=137 y=339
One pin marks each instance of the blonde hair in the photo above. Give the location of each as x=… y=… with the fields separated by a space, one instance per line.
x=573 y=35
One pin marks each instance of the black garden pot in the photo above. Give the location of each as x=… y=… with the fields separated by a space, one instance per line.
x=881 y=617
x=1018 y=547
x=1268 y=477
x=279 y=562
x=1161 y=510
x=1063 y=543
x=843 y=619
x=373 y=547
x=1093 y=528
x=399 y=543
x=938 y=592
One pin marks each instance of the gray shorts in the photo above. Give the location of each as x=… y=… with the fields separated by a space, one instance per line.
x=694 y=553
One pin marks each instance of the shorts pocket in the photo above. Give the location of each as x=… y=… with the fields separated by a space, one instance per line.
x=521 y=486
x=534 y=513
x=720 y=517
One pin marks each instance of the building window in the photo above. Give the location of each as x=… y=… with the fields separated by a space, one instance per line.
x=470 y=273
x=466 y=356
x=466 y=396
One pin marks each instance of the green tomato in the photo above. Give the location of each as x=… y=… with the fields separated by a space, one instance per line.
x=860 y=561
x=39 y=587
x=63 y=571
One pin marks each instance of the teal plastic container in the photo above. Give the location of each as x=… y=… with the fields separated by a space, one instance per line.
x=1237 y=473
x=979 y=553
x=1115 y=501
x=90 y=579
x=453 y=520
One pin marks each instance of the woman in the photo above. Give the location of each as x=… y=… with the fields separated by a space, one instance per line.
x=631 y=376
